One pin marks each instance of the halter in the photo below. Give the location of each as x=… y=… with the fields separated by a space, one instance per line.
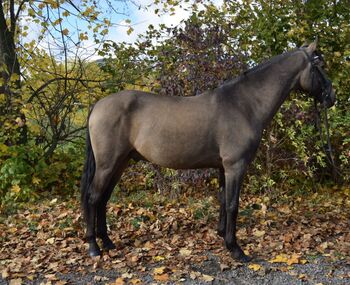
x=326 y=91
x=326 y=84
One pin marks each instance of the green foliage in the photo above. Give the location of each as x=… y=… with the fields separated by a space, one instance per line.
x=26 y=174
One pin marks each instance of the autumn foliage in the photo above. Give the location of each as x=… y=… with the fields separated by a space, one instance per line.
x=292 y=210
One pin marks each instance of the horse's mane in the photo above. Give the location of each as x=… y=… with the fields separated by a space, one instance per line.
x=257 y=68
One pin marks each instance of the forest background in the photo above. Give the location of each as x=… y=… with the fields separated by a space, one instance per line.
x=49 y=82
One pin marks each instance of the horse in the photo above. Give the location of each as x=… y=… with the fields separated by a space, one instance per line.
x=221 y=128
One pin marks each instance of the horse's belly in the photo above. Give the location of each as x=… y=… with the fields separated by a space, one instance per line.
x=180 y=156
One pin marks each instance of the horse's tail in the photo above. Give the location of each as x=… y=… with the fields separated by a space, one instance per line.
x=88 y=175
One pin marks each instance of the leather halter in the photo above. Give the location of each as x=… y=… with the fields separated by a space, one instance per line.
x=326 y=84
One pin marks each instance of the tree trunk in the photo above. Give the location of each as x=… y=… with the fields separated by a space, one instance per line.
x=10 y=67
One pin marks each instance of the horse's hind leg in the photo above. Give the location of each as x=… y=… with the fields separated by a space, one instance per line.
x=101 y=230
x=98 y=190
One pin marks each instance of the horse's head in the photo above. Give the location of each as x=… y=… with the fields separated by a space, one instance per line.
x=313 y=78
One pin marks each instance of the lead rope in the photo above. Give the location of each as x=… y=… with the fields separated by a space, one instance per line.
x=328 y=151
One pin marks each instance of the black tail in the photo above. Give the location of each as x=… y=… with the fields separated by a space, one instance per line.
x=88 y=175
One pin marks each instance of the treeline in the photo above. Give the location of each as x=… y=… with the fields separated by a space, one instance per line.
x=46 y=92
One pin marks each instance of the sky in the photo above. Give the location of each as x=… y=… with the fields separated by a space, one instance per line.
x=140 y=20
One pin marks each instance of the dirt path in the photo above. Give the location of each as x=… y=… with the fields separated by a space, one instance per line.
x=319 y=271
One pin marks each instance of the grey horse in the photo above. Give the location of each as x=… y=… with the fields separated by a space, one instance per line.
x=219 y=129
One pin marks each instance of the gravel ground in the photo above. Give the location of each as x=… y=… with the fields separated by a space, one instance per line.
x=318 y=271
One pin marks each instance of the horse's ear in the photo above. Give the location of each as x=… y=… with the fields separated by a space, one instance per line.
x=312 y=47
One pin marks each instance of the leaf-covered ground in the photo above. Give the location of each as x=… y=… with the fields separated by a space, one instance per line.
x=162 y=241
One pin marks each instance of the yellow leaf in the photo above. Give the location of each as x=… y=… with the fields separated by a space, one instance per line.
x=50 y=240
x=185 y=252
x=279 y=258
x=294 y=259
x=159 y=270
x=65 y=32
x=258 y=233
x=2 y=96
x=129 y=31
x=3 y=148
x=118 y=281
x=158 y=258
x=36 y=181
x=254 y=266
x=15 y=189
x=135 y=281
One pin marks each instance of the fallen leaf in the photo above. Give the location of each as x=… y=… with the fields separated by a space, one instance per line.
x=284 y=209
x=5 y=273
x=223 y=267
x=194 y=275
x=159 y=270
x=206 y=278
x=17 y=281
x=163 y=277
x=127 y=275
x=185 y=252
x=254 y=266
x=118 y=281
x=100 y=278
x=294 y=259
x=135 y=281
x=258 y=233
x=158 y=258
x=50 y=240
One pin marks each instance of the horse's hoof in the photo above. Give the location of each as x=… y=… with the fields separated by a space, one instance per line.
x=244 y=258
x=240 y=256
x=108 y=245
x=95 y=252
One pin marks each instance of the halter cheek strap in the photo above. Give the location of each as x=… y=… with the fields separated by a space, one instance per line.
x=326 y=87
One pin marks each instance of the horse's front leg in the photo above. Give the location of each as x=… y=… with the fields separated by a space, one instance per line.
x=222 y=214
x=233 y=180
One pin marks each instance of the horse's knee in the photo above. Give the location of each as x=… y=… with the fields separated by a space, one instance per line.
x=94 y=198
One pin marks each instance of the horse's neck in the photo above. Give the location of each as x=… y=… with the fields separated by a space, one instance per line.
x=268 y=88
